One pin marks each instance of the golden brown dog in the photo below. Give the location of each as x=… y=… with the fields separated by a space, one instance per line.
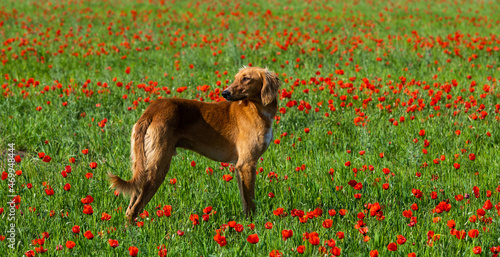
x=237 y=131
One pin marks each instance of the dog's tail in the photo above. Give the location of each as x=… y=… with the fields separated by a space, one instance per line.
x=139 y=172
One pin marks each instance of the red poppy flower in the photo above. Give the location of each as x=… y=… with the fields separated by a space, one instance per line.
x=343 y=212
x=417 y=193
x=39 y=241
x=70 y=244
x=173 y=181
x=113 y=243
x=41 y=155
x=89 y=175
x=162 y=251
x=76 y=229
x=67 y=187
x=392 y=247
x=286 y=234
x=49 y=191
x=207 y=210
x=314 y=240
x=327 y=223
x=133 y=251
x=195 y=219
x=275 y=253
x=87 y=209
x=167 y=210
x=93 y=165
x=238 y=228
x=340 y=234
x=473 y=233
x=72 y=160
x=221 y=240
x=332 y=212
x=88 y=235
x=85 y=151
x=401 y=239
x=422 y=132
x=301 y=249
x=373 y=253
x=487 y=205
x=46 y=158
x=227 y=178
x=268 y=225
x=336 y=251
x=87 y=200
x=407 y=214
x=477 y=250
x=253 y=238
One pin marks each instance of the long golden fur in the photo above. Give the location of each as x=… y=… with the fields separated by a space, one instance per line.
x=235 y=131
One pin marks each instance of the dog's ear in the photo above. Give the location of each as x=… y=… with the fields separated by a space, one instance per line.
x=270 y=86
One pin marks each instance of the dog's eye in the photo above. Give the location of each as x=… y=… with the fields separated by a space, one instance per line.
x=245 y=79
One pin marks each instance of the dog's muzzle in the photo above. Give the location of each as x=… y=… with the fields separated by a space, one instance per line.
x=226 y=94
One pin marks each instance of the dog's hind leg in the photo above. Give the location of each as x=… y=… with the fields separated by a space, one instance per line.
x=133 y=198
x=158 y=156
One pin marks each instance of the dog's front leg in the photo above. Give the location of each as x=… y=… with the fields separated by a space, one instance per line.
x=245 y=174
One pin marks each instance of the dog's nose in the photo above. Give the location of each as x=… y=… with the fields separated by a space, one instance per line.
x=226 y=94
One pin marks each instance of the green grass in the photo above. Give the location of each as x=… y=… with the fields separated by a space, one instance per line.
x=425 y=48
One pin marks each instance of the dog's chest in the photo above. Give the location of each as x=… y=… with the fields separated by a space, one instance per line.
x=268 y=136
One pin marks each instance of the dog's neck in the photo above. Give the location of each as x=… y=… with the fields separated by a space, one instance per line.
x=266 y=112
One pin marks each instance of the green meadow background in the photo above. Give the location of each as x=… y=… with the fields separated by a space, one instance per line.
x=379 y=99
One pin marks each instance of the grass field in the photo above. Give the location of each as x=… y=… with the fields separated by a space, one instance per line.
x=386 y=141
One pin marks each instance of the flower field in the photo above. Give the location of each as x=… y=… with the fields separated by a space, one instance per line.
x=386 y=140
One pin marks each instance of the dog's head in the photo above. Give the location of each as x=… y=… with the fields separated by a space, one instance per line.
x=255 y=84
